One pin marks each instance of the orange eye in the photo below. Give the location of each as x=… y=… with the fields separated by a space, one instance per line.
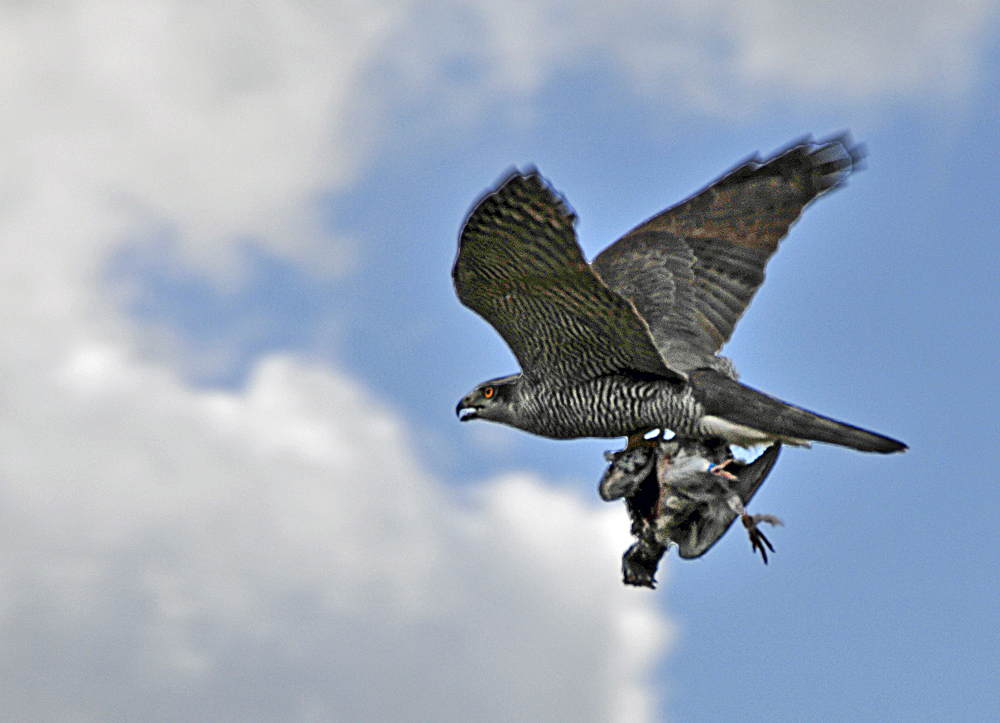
x=489 y=392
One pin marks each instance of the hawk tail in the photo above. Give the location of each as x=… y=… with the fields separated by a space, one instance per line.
x=735 y=402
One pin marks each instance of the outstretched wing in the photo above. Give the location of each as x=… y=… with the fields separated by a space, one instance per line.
x=520 y=268
x=692 y=270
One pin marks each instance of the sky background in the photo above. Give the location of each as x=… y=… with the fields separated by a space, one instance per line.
x=232 y=485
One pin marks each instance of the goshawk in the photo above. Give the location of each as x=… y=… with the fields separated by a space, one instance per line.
x=629 y=342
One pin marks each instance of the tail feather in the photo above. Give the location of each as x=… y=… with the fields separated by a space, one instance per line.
x=735 y=402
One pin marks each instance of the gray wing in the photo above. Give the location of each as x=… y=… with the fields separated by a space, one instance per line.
x=692 y=270
x=519 y=267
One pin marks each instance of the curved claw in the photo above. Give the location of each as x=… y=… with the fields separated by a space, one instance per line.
x=758 y=540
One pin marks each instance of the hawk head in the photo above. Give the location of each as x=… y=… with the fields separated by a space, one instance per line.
x=492 y=400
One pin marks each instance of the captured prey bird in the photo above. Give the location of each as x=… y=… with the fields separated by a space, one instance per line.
x=684 y=493
x=703 y=489
x=628 y=343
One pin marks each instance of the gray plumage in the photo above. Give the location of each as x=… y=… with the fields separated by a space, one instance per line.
x=629 y=468
x=629 y=343
x=689 y=498
x=702 y=492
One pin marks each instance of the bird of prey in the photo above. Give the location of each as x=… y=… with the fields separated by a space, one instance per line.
x=629 y=342
x=689 y=498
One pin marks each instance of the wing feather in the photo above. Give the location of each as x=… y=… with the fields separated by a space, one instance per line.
x=701 y=262
x=519 y=267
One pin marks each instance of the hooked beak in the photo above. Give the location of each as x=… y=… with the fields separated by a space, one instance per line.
x=466 y=411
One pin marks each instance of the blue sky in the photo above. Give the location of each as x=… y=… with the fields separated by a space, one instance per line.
x=232 y=480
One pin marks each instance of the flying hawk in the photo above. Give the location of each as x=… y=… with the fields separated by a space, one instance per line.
x=629 y=342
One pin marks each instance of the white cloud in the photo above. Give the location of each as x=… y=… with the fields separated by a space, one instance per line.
x=179 y=555
x=891 y=49
x=276 y=553
x=723 y=56
x=219 y=120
